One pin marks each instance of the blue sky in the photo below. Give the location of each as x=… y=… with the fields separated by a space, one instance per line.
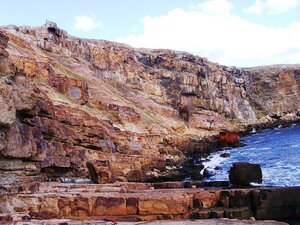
x=230 y=32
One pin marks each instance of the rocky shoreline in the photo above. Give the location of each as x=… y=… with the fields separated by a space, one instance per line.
x=74 y=109
x=194 y=165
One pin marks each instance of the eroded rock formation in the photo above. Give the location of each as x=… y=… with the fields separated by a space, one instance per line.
x=147 y=202
x=135 y=113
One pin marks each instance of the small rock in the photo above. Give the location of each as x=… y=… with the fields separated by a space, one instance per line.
x=225 y=155
x=26 y=218
x=218 y=168
x=208 y=173
x=37 y=215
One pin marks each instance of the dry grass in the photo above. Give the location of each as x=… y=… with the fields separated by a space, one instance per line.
x=62 y=69
x=259 y=114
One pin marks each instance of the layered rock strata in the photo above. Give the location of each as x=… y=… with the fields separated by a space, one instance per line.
x=146 y=202
x=134 y=114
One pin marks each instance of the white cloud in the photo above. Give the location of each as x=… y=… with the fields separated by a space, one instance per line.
x=216 y=6
x=271 y=6
x=219 y=35
x=86 y=23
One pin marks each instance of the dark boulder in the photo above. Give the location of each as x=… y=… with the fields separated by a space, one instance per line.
x=195 y=172
x=208 y=172
x=276 y=116
x=243 y=173
x=218 y=168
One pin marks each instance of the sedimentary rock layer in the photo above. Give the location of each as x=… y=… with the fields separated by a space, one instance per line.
x=147 y=202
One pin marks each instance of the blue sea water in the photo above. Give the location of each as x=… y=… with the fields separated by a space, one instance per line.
x=276 y=150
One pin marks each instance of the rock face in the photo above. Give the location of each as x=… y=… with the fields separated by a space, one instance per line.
x=244 y=173
x=66 y=101
x=273 y=89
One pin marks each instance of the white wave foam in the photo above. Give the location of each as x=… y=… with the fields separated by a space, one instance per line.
x=257 y=184
x=265 y=148
x=215 y=160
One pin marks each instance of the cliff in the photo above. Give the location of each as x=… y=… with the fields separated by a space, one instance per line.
x=132 y=113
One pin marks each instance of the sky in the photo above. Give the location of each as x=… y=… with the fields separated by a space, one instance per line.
x=230 y=32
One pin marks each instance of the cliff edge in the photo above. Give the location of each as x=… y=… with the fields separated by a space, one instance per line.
x=132 y=113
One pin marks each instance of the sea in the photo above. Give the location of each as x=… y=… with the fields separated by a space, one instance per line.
x=276 y=150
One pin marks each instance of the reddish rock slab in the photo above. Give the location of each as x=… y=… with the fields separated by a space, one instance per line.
x=108 y=206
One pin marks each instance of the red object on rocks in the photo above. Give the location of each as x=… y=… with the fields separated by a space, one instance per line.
x=229 y=137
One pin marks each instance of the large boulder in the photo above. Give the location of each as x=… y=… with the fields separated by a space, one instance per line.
x=244 y=173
